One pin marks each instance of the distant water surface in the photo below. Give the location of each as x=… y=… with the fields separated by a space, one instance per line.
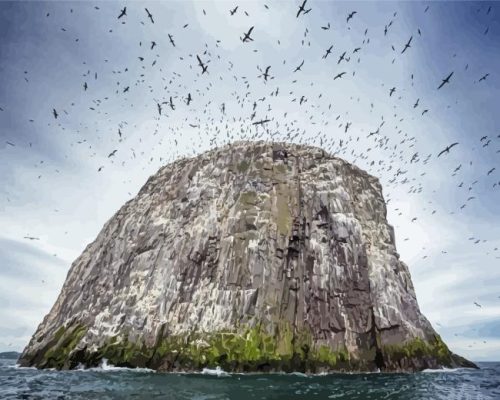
x=115 y=383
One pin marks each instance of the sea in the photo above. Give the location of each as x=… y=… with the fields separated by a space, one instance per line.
x=108 y=382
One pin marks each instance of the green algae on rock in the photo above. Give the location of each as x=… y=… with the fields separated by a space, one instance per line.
x=253 y=257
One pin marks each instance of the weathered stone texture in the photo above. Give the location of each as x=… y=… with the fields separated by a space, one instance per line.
x=255 y=256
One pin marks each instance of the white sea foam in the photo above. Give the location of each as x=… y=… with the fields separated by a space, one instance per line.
x=17 y=366
x=218 y=371
x=443 y=370
x=299 y=374
x=105 y=367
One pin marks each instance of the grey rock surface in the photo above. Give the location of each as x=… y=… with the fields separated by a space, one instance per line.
x=255 y=256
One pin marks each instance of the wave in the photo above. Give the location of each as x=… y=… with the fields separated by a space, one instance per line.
x=17 y=366
x=299 y=374
x=443 y=370
x=218 y=371
x=106 y=367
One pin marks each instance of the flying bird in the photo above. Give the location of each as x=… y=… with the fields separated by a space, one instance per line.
x=342 y=57
x=447 y=149
x=265 y=74
x=31 y=238
x=112 y=153
x=339 y=75
x=55 y=113
x=203 y=66
x=123 y=12
x=150 y=16
x=171 y=104
x=246 y=37
x=483 y=78
x=374 y=133
x=328 y=51
x=232 y=12
x=302 y=9
x=445 y=81
x=349 y=17
x=299 y=68
x=171 y=39
x=407 y=45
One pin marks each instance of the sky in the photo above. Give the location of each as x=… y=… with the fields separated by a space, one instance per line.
x=104 y=78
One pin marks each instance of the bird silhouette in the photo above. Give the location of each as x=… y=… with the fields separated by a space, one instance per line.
x=483 y=78
x=203 y=66
x=445 y=81
x=447 y=149
x=328 y=51
x=171 y=39
x=349 y=17
x=123 y=13
x=299 y=68
x=342 y=57
x=150 y=16
x=407 y=45
x=302 y=9
x=246 y=36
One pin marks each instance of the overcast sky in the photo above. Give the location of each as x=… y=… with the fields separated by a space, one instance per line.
x=58 y=185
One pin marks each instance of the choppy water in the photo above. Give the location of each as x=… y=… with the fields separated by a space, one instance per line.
x=116 y=383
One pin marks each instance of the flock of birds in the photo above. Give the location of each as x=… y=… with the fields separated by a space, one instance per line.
x=252 y=102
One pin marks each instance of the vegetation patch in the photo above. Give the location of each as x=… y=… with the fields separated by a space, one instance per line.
x=419 y=349
x=65 y=341
x=243 y=166
x=283 y=219
x=248 y=200
x=249 y=349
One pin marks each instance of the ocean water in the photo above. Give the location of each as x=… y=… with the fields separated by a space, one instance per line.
x=108 y=382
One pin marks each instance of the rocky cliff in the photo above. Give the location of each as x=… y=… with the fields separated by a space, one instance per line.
x=253 y=257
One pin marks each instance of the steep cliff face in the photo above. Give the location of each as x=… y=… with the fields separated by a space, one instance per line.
x=253 y=257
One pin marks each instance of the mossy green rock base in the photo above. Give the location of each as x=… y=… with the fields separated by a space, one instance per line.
x=249 y=351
